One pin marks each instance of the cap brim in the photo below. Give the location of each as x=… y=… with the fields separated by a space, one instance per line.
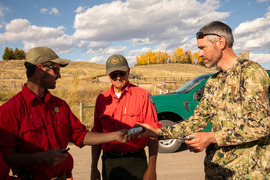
x=119 y=68
x=61 y=62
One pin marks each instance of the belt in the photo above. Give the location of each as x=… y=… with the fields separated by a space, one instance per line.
x=122 y=153
x=64 y=176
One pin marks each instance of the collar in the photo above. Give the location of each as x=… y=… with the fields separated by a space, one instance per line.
x=29 y=96
x=230 y=69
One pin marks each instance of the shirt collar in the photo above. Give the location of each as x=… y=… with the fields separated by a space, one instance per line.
x=127 y=89
x=29 y=96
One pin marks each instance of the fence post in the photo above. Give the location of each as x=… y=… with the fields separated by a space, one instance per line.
x=81 y=111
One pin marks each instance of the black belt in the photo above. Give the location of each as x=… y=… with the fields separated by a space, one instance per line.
x=122 y=153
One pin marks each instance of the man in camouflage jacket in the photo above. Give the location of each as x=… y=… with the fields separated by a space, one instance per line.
x=236 y=103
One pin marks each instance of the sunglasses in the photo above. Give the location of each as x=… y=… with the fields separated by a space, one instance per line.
x=200 y=35
x=55 y=69
x=120 y=74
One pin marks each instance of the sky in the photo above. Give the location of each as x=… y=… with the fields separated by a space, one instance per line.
x=92 y=30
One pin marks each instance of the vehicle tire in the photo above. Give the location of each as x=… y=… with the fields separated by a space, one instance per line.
x=170 y=145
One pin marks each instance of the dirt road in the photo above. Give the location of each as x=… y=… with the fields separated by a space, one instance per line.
x=182 y=165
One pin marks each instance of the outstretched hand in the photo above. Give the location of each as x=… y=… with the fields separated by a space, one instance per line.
x=201 y=141
x=121 y=136
x=147 y=130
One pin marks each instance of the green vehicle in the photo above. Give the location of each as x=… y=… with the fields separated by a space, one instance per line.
x=178 y=106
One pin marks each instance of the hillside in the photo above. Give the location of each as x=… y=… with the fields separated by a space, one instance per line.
x=12 y=73
x=79 y=81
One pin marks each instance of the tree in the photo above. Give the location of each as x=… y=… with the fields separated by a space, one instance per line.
x=8 y=53
x=199 y=59
x=19 y=54
x=187 y=58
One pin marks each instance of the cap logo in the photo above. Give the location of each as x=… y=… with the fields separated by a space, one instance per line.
x=115 y=60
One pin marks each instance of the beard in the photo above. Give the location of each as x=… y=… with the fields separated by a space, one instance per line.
x=48 y=81
x=215 y=58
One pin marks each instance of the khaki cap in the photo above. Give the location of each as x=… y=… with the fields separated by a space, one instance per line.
x=116 y=62
x=39 y=55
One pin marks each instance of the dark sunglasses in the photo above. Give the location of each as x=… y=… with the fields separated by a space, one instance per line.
x=115 y=75
x=55 y=69
x=200 y=35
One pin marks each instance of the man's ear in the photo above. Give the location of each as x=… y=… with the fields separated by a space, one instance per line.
x=40 y=68
x=221 y=42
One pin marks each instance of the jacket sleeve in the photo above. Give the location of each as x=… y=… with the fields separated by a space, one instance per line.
x=197 y=122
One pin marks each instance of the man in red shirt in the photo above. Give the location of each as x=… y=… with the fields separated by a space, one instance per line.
x=120 y=107
x=36 y=126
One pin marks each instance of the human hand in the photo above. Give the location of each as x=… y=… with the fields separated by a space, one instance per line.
x=52 y=157
x=95 y=174
x=201 y=141
x=121 y=136
x=147 y=130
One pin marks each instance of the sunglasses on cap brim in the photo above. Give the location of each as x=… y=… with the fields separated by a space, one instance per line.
x=200 y=35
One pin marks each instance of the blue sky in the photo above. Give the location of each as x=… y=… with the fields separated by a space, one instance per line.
x=93 y=30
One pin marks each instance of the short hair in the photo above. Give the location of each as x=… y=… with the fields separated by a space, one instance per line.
x=221 y=29
x=30 y=69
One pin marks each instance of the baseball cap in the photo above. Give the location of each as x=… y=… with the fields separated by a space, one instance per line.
x=39 y=55
x=116 y=62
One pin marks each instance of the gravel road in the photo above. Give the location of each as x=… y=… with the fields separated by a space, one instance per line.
x=182 y=165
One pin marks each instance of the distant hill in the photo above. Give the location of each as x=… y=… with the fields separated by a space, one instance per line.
x=14 y=70
x=79 y=81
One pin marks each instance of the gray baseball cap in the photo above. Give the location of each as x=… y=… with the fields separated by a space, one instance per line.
x=116 y=62
x=39 y=55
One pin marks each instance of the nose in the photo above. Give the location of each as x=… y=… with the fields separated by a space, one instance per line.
x=200 y=53
x=58 y=75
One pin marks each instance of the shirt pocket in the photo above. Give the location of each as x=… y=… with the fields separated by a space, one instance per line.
x=132 y=117
x=33 y=135
x=61 y=125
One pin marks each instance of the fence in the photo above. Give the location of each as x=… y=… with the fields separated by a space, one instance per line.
x=82 y=106
x=160 y=84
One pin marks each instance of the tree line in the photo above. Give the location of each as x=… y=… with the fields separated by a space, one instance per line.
x=17 y=54
x=179 y=56
x=160 y=57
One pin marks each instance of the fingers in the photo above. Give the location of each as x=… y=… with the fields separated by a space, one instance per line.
x=53 y=157
x=124 y=131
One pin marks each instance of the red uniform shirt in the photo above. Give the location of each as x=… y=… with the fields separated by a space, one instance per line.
x=30 y=125
x=112 y=113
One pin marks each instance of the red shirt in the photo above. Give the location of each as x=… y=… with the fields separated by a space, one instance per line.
x=112 y=113
x=29 y=125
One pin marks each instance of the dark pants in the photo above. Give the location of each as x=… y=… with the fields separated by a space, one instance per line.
x=126 y=167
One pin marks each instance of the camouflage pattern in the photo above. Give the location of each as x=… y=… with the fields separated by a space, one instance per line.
x=236 y=103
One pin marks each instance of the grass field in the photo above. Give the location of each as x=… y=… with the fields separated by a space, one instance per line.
x=79 y=84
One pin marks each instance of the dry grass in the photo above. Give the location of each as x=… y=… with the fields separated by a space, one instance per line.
x=78 y=81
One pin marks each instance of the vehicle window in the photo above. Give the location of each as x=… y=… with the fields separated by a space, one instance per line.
x=190 y=84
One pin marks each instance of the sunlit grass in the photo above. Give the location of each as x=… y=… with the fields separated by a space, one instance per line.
x=78 y=82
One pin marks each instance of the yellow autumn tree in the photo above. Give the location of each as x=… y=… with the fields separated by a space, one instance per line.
x=164 y=57
x=177 y=56
x=174 y=57
x=138 y=60
x=199 y=59
x=152 y=59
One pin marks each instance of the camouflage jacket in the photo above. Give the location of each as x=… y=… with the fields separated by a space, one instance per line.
x=236 y=103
